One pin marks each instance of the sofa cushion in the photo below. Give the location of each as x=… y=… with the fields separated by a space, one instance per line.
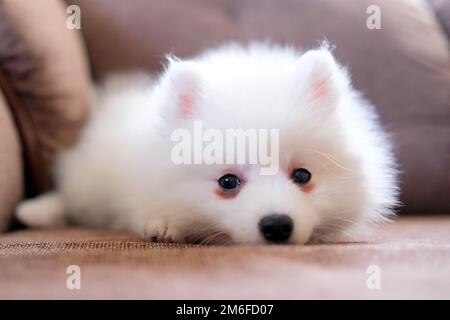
x=403 y=67
x=45 y=69
x=413 y=256
x=10 y=165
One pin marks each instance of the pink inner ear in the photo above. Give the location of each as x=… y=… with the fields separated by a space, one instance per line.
x=186 y=105
x=319 y=89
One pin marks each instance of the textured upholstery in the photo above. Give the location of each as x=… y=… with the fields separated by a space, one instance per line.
x=413 y=256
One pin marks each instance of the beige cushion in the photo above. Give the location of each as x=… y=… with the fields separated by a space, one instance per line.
x=10 y=165
x=44 y=64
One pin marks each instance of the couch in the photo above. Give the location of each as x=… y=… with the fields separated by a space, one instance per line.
x=46 y=70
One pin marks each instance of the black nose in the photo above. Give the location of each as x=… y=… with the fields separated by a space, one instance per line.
x=276 y=228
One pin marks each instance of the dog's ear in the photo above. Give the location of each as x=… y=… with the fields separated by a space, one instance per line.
x=320 y=77
x=184 y=86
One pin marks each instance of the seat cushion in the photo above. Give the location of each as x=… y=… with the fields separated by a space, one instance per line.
x=46 y=84
x=412 y=254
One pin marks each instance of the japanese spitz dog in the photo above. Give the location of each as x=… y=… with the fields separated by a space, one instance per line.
x=335 y=169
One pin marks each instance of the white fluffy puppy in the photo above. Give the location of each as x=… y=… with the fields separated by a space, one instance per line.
x=336 y=168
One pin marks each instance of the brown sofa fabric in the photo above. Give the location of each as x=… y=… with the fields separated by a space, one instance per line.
x=10 y=165
x=413 y=255
x=45 y=80
x=403 y=68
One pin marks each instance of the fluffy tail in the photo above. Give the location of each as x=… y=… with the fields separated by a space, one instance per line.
x=46 y=210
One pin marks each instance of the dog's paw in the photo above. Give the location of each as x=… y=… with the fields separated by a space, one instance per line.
x=163 y=231
x=46 y=210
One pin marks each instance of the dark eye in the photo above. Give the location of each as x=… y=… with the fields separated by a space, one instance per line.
x=229 y=182
x=301 y=176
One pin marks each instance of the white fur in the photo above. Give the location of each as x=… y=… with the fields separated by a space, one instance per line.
x=120 y=175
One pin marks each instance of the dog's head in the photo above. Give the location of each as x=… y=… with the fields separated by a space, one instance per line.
x=315 y=174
